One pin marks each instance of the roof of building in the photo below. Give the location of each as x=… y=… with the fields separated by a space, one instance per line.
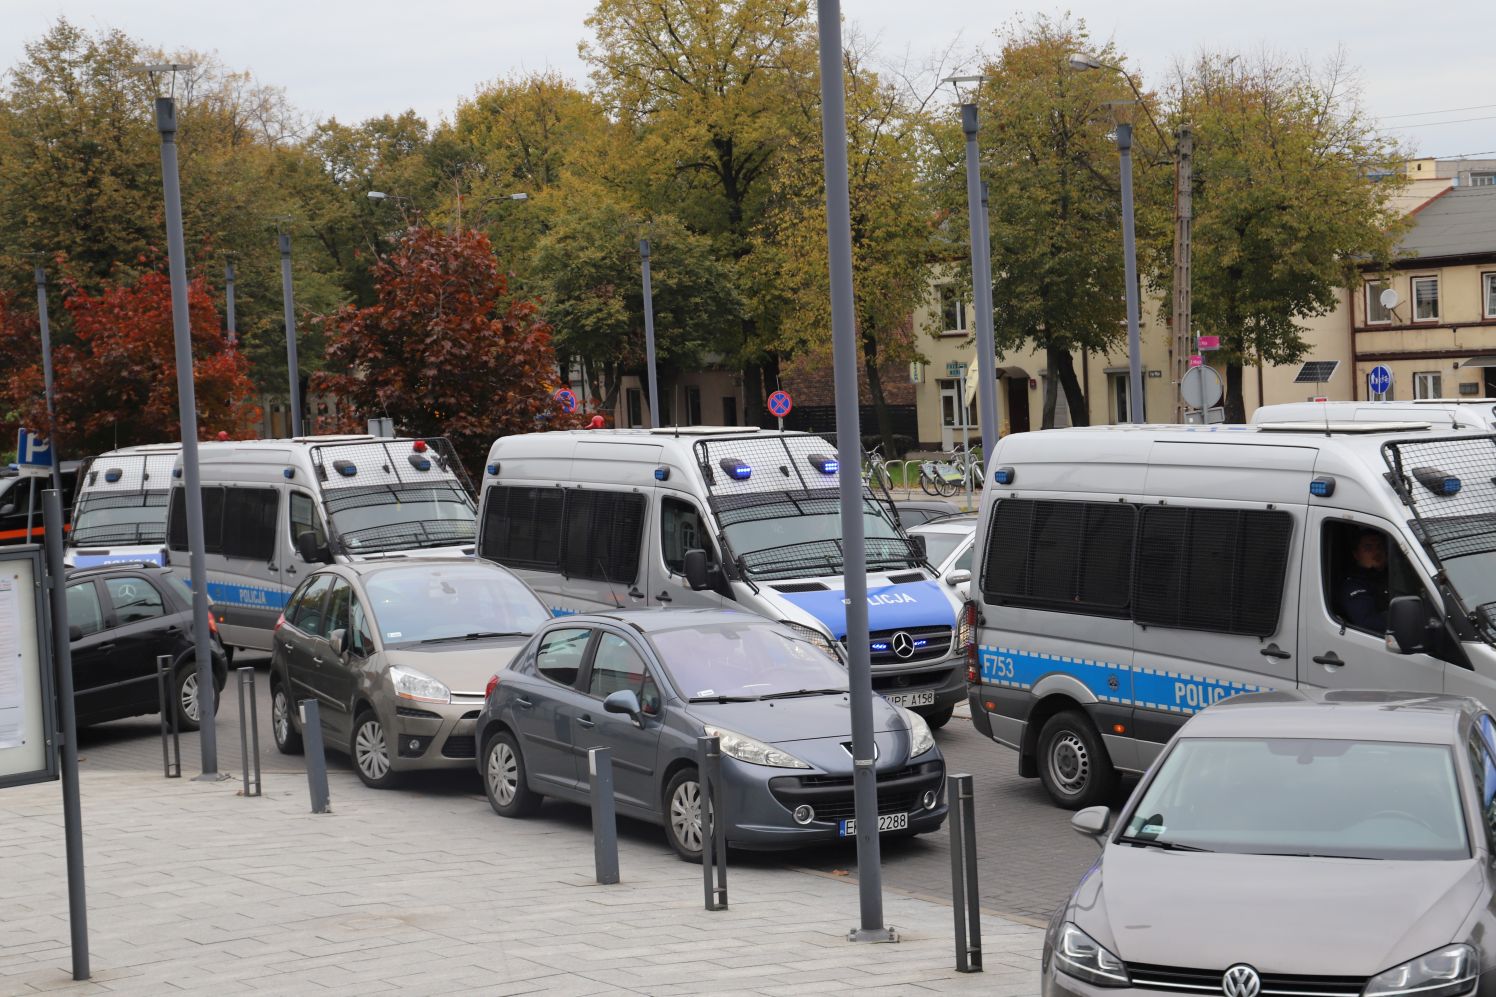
x=1459 y=222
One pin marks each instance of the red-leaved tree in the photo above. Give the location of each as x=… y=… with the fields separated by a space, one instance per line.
x=115 y=375
x=446 y=351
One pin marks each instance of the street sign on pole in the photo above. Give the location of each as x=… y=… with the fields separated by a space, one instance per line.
x=1196 y=360
x=1202 y=387
x=780 y=403
x=1206 y=343
x=1379 y=381
x=33 y=454
x=567 y=399
x=955 y=369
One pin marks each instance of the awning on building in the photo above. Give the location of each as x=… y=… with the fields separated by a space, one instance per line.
x=1488 y=360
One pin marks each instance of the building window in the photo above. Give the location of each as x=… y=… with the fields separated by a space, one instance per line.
x=693 y=405
x=1428 y=384
x=1488 y=289
x=729 y=410
x=1483 y=179
x=950 y=405
x=635 y=403
x=1120 y=393
x=1425 y=299
x=952 y=309
x=1376 y=314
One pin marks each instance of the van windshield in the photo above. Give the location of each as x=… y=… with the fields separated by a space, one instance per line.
x=401 y=517
x=799 y=535
x=133 y=518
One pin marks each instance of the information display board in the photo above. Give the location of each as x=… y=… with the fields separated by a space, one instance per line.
x=27 y=717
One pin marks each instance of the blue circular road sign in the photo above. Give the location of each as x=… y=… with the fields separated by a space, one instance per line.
x=1379 y=380
x=780 y=404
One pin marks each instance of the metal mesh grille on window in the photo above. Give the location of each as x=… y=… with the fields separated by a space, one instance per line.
x=1450 y=485
x=388 y=462
x=522 y=526
x=1074 y=556
x=1220 y=570
x=603 y=533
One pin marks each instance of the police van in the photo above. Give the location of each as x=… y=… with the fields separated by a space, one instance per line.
x=707 y=516
x=274 y=510
x=120 y=511
x=1130 y=576
x=1439 y=413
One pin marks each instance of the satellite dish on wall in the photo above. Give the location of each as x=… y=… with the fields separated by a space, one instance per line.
x=1389 y=298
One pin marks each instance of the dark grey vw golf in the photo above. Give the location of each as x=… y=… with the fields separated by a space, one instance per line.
x=1296 y=844
x=648 y=683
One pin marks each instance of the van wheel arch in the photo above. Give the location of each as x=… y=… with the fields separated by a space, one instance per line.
x=1028 y=752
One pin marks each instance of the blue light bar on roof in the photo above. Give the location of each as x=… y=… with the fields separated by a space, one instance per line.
x=419 y=462
x=1437 y=481
x=735 y=468
x=345 y=467
x=113 y=474
x=1322 y=486
x=824 y=464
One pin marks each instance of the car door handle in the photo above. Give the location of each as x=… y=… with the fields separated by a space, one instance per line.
x=105 y=648
x=316 y=661
x=585 y=721
x=664 y=596
x=1274 y=651
x=286 y=646
x=1329 y=658
x=523 y=702
x=634 y=593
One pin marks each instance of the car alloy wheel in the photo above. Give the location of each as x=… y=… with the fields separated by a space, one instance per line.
x=370 y=752
x=287 y=740
x=504 y=778
x=685 y=815
x=187 y=692
x=503 y=773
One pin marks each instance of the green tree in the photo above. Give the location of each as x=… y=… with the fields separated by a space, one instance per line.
x=1292 y=188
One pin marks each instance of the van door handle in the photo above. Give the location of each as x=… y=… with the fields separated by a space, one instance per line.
x=585 y=721
x=634 y=593
x=290 y=569
x=664 y=596
x=523 y=702
x=1274 y=651
x=1329 y=658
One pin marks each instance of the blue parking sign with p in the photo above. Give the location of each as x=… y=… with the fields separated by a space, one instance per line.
x=32 y=451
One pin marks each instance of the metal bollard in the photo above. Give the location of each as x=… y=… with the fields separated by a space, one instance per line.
x=171 y=743
x=713 y=828
x=966 y=899
x=249 y=733
x=316 y=761
x=604 y=820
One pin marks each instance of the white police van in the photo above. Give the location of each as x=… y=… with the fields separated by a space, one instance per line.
x=1128 y=577
x=1439 y=413
x=274 y=510
x=708 y=516
x=120 y=511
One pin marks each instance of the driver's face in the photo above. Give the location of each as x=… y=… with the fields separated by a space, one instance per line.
x=1371 y=552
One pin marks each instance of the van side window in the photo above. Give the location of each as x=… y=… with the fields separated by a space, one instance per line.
x=1363 y=569
x=251 y=515
x=681 y=529
x=212 y=519
x=1068 y=556
x=1220 y=570
x=522 y=526
x=304 y=517
x=603 y=534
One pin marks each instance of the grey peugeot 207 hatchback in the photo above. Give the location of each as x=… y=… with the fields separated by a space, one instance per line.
x=648 y=683
x=1317 y=843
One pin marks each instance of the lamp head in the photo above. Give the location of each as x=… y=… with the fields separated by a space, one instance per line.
x=1084 y=60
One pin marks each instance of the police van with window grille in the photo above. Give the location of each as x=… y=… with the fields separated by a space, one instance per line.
x=274 y=510
x=721 y=517
x=120 y=511
x=1130 y=576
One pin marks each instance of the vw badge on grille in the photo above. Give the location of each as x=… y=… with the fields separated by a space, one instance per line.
x=1241 y=981
x=903 y=644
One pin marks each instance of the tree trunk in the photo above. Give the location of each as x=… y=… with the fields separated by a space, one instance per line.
x=1075 y=395
x=1236 y=406
x=1051 y=392
x=880 y=401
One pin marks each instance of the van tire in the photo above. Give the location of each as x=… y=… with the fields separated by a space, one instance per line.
x=1073 y=764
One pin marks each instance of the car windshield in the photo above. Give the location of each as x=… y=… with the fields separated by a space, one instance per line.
x=1299 y=796
x=745 y=660
x=941 y=545
x=401 y=517
x=136 y=517
x=442 y=602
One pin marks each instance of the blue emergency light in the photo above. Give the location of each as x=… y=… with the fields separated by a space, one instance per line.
x=736 y=469
x=418 y=462
x=824 y=464
x=493 y=469
x=1437 y=481
x=345 y=467
x=662 y=474
x=288 y=472
x=1004 y=475
x=1322 y=487
x=113 y=474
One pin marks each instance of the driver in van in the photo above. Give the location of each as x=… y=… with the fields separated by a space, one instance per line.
x=1363 y=589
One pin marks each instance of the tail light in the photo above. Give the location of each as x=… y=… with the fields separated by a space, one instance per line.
x=280 y=621
x=212 y=625
x=968 y=638
x=493 y=684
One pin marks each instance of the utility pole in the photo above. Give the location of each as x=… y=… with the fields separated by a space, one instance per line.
x=1184 y=149
x=46 y=329
x=1130 y=272
x=649 y=338
x=228 y=288
x=290 y=302
x=166 y=123
x=981 y=286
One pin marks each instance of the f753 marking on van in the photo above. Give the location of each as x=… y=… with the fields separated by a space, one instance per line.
x=1109 y=682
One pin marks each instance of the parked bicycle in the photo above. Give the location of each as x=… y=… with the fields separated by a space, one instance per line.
x=940 y=477
x=968 y=460
x=875 y=469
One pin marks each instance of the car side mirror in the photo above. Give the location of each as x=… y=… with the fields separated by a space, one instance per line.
x=338 y=639
x=1092 y=822
x=310 y=551
x=7 y=508
x=958 y=577
x=695 y=570
x=625 y=702
x=1407 y=621
x=75 y=632
x=918 y=539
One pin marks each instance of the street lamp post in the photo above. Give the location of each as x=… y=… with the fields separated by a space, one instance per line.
x=289 y=299
x=228 y=289
x=1130 y=273
x=649 y=337
x=46 y=331
x=516 y=196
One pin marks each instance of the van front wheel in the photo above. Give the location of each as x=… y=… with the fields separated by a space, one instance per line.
x=1073 y=763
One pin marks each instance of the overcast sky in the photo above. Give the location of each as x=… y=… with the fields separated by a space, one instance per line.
x=1423 y=70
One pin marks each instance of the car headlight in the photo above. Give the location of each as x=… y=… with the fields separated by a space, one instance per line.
x=746 y=749
x=411 y=684
x=920 y=738
x=1442 y=973
x=813 y=636
x=1084 y=958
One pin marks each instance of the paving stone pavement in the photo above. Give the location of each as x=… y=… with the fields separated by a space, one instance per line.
x=194 y=889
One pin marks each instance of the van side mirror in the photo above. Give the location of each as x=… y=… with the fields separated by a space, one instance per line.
x=1092 y=821
x=1407 y=621
x=624 y=701
x=918 y=539
x=958 y=577
x=695 y=570
x=339 y=641
x=307 y=547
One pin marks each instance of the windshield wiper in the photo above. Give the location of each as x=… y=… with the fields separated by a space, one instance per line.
x=805 y=692
x=476 y=636
x=1319 y=855
x=723 y=699
x=1171 y=846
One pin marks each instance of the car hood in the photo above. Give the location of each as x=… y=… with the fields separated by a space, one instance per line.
x=805 y=718
x=462 y=667
x=1280 y=914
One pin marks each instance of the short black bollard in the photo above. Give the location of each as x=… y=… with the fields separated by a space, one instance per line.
x=966 y=899
x=171 y=743
x=316 y=761
x=249 y=732
x=713 y=827
x=604 y=820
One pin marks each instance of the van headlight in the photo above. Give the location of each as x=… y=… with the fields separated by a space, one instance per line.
x=813 y=636
x=746 y=749
x=418 y=686
x=1443 y=973
x=1084 y=958
x=920 y=737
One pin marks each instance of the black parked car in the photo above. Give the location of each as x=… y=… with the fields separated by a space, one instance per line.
x=121 y=617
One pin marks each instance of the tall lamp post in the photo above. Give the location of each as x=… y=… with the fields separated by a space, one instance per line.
x=288 y=298
x=649 y=337
x=231 y=334
x=516 y=196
